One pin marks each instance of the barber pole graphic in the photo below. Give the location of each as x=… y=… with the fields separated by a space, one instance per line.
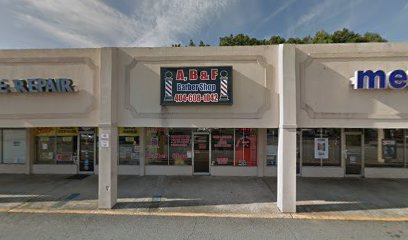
x=168 y=93
x=198 y=85
x=224 y=86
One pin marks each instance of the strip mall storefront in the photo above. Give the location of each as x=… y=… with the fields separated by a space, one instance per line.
x=284 y=110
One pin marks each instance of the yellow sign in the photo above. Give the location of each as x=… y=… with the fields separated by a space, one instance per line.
x=45 y=132
x=67 y=131
x=128 y=131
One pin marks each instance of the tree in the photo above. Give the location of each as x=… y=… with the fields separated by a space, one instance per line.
x=341 y=36
x=346 y=36
x=191 y=44
x=276 y=40
x=321 y=37
x=307 y=39
x=238 y=40
x=202 y=44
x=295 y=41
x=373 y=37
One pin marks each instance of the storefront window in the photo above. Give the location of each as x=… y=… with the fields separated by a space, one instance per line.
x=14 y=146
x=156 y=146
x=45 y=141
x=245 y=147
x=129 y=146
x=66 y=145
x=180 y=146
x=384 y=147
x=222 y=147
x=272 y=146
x=321 y=147
x=56 y=145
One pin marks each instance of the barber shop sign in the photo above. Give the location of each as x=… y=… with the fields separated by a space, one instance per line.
x=196 y=85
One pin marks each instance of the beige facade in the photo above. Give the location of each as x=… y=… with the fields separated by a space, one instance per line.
x=325 y=97
x=298 y=89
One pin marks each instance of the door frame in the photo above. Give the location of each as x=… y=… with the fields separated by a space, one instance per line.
x=344 y=149
x=300 y=149
x=209 y=153
x=405 y=148
x=79 y=152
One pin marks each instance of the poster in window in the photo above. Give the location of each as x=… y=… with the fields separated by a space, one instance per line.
x=389 y=149
x=321 y=147
x=245 y=147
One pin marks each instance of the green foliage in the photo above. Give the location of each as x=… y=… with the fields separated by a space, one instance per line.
x=238 y=40
x=276 y=40
x=202 y=44
x=345 y=36
x=322 y=37
x=373 y=37
x=191 y=44
x=341 y=36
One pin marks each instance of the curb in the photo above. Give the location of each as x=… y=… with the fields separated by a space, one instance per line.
x=208 y=215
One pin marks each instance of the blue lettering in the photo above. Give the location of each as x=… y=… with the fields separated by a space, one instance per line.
x=397 y=79
x=370 y=80
x=4 y=87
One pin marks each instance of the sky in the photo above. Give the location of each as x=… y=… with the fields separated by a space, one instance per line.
x=155 y=23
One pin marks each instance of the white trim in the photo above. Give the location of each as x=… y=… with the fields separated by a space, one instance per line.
x=386 y=172
x=168 y=170
x=13 y=168
x=129 y=170
x=234 y=171
x=325 y=171
x=54 y=169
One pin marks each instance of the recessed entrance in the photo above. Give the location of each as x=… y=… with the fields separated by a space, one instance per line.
x=87 y=148
x=201 y=153
x=353 y=154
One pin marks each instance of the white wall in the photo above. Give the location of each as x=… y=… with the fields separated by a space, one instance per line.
x=13 y=168
x=327 y=99
x=322 y=172
x=51 y=109
x=54 y=169
x=233 y=171
x=255 y=94
x=168 y=170
x=270 y=171
x=386 y=172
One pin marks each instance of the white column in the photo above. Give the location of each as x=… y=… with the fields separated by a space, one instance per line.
x=108 y=132
x=287 y=129
x=108 y=166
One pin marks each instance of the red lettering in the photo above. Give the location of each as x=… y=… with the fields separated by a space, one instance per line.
x=193 y=74
x=214 y=74
x=204 y=75
x=180 y=75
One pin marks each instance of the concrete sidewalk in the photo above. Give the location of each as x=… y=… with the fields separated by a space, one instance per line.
x=209 y=196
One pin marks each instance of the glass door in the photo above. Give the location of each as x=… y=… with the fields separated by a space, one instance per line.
x=201 y=153
x=353 y=153
x=86 y=152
